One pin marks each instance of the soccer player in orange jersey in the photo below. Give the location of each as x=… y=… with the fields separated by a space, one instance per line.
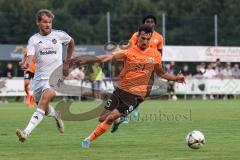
x=155 y=42
x=140 y=64
x=28 y=75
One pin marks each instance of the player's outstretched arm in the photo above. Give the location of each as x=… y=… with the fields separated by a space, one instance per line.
x=177 y=78
x=115 y=55
x=97 y=59
x=161 y=73
x=86 y=59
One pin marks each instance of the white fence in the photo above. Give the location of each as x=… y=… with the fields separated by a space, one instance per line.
x=15 y=87
x=201 y=53
x=209 y=86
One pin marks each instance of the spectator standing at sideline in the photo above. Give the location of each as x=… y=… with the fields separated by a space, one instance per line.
x=236 y=71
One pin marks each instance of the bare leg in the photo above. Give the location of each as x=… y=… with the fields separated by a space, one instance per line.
x=43 y=107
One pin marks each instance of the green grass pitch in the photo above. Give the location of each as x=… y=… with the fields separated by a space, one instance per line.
x=159 y=133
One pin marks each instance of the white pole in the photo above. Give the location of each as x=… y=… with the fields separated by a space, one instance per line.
x=216 y=30
x=108 y=27
x=164 y=28
x=108 y=34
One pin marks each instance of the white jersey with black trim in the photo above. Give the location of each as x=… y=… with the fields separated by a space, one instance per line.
x=47 y=51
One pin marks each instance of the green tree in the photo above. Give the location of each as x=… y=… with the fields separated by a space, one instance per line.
x=18 y=20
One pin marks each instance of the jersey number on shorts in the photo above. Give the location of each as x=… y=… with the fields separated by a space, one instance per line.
x=108 y=104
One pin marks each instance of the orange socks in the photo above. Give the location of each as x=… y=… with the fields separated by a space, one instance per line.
x=99 y=130
x=29 y=98
x=32 y=102
x=26 y=89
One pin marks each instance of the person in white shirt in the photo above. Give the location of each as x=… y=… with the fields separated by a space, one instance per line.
x=209 y=72
x=236 y=71
x=46 y=48
x=76 y=73
x=227 y=72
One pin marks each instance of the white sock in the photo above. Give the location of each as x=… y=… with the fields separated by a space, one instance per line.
x=51 y=112
x=117 y=120
x=35 y=120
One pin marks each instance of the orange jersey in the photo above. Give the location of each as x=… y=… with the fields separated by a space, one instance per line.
x=138 y=70
x=155 y=42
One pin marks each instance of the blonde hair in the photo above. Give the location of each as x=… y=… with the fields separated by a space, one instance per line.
x=44 y=12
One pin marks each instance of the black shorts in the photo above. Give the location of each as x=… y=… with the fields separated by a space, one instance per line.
x=28 y=75
x=123 y=101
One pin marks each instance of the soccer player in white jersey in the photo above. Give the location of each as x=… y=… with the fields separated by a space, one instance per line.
x=46 y=47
